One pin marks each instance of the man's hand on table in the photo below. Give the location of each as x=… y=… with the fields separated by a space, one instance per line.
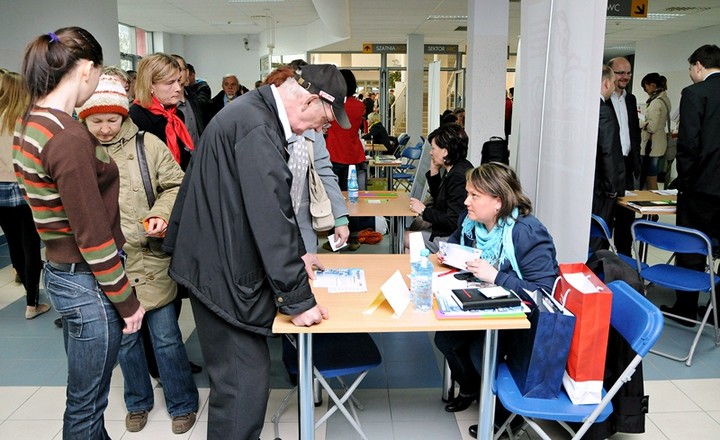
x=310 y=317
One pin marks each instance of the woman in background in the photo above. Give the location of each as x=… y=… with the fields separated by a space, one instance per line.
x=16 y=219
x=446 y=181
x=106 y=116
x=72 y=187
x=653 y=137
x=517 y=253
x=377 y=133
x=157 y=93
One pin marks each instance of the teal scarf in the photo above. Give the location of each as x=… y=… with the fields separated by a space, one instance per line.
x=496 y=245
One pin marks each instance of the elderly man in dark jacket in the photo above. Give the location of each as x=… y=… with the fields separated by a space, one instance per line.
x=236 y=245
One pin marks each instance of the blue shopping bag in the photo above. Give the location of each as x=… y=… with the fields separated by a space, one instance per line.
x=537 y=357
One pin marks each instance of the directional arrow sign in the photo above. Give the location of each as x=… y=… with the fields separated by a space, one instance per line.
x=367 y=48
x=639 y=9
x=627 y=8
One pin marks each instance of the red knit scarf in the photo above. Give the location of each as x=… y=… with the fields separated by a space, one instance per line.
x=175 y=127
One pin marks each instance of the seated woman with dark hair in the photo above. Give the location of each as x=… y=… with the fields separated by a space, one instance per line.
x=517 y=253
x=377 y=133
x=446 y=181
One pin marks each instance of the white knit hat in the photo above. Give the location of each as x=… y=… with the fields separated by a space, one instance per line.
x=109 y=97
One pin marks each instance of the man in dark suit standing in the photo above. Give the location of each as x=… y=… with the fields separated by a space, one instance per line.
x=698 y=163
x=625 y=106
x=609 y=161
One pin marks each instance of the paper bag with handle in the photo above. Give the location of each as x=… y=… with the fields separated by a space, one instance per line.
x=582 y=292
x=536 y=357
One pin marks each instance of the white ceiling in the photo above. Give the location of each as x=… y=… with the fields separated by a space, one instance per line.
x=386 y=21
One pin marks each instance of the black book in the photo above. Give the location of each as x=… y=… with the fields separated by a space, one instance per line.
x=473 y=299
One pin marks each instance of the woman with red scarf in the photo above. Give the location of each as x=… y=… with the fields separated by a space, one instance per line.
x=157 y=92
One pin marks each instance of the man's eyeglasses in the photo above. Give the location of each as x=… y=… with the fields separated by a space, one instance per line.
x=326 y=124
x=623 y=73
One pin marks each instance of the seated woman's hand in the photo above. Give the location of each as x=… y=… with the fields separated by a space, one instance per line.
x=482 y=270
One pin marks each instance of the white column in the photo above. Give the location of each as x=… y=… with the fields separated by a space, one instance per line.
x=486 y=66
x=559 y=84
x=415 y=75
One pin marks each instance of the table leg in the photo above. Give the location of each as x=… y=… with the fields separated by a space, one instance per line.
x=306 y=423
x=487 y=396
x=389 y=173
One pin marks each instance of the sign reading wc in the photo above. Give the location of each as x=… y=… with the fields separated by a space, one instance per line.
x=627 y=8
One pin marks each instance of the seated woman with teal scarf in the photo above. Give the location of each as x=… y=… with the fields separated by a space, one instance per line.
x=517 y=253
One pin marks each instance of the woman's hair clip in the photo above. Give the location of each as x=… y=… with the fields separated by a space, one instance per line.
x=53 y=38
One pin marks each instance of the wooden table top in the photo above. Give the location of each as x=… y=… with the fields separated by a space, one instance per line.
x=380 y=148
x=346 y=309
x=641 y=196
x=381 y=203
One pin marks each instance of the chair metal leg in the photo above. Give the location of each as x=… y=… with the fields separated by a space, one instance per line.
x=688 y=358
x=448 y=385
x=280 y=411
x=340 y=403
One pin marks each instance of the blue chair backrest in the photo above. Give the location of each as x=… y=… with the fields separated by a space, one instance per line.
x=403 y=139
x=598 y=228
x=671 y=238
x=412 y=153
x=420 y=143
x=638 y=320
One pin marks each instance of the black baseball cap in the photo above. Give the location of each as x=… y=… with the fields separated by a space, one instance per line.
x=326 y=81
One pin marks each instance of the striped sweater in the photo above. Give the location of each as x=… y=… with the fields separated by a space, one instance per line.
x=72 y=186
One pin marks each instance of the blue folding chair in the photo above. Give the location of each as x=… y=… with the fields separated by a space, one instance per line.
x=402 y=176
x=334 y=356
x=679 y=240
x=600 y=229
x=403 y=140
x=637 y=320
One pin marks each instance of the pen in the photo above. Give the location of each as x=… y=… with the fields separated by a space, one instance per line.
x=449 y=272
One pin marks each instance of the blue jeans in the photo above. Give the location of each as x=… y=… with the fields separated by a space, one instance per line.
x=92 y=330
x=181 y=394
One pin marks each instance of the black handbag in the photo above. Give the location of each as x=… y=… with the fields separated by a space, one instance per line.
x=495 y=150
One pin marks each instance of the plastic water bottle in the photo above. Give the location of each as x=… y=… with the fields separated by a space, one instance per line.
x=421 y=282
x=352 y=185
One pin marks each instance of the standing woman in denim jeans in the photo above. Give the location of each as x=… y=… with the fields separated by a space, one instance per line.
x=72 y=187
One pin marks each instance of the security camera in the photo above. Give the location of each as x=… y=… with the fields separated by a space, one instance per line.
x=247 y=43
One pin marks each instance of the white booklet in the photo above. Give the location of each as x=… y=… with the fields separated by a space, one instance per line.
x=457 y=255
x=341 y=280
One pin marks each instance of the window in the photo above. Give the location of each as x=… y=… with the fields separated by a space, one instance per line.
x=135 y=43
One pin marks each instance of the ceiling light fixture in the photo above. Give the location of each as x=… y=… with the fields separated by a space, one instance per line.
x=254 y=1
x=650 y=17
x=446 y=18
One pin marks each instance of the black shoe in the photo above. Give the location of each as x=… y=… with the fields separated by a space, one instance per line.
x=460 y=403
x=195 y=368
x=58 y=322
x=675 y=311
x=515 y=426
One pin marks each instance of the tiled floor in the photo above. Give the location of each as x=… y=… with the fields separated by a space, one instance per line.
x=401 y=397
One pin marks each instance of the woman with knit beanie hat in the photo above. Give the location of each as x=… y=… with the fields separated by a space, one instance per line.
x=143 y=222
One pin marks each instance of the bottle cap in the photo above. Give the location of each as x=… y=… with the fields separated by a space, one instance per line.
x=424 y=253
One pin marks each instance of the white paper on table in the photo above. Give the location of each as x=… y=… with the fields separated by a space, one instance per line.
x=495 y=292
x=457 y=255
x=396 y=292
x=341 y=280
x=666 y=192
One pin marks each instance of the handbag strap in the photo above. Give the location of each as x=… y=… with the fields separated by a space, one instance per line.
x=310 y=153
x=668 y=115
x=144 y=172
